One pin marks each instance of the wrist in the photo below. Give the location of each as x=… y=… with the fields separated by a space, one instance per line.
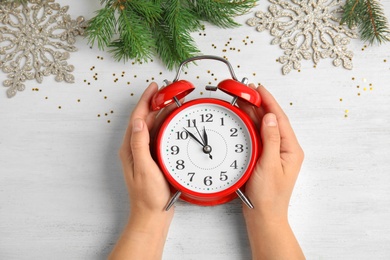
x=149 y=222
x=265 y=215
x=264 y=223
x=144 y=235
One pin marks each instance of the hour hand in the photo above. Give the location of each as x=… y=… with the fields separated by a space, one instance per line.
x=193 y=136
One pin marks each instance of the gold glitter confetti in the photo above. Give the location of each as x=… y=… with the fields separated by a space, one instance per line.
x=346 y=113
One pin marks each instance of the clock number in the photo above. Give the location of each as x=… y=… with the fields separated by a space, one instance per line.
x=239 y=148
x=175 y=150
x=183 y=135
x=223 y=176
x=208 y=180
x=222 y=121
x=191 y=122
x=234 y=132
x=180 y=164
x=206 y=118
x=234 y=164
x=192 y=175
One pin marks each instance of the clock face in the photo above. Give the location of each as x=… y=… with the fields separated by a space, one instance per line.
x=207 y=147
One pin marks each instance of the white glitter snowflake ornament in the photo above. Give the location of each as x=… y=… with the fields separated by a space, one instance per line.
x=306 y=29
x=35 y=40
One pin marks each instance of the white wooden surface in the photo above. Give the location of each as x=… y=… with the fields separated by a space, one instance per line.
x=62 y=195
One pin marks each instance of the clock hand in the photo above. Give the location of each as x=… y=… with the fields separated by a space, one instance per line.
x=193 y=136
x=194 y=121
x=207 y=148
x=205 y=136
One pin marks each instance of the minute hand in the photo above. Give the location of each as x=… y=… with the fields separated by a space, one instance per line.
x=206 y=141
x=193 y=136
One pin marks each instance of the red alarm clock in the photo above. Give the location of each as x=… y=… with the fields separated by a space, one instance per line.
x=207 y=148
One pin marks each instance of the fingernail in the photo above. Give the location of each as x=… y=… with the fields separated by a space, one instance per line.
x=138 y=125
x=270 y=120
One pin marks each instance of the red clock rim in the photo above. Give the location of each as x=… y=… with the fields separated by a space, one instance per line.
x=210 y=198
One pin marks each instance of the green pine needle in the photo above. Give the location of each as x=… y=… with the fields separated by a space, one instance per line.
x=368 y=16
x=179 y=22
x=140 y=29
x=135 y=38
x=221 y=12
x=102 y=27
x=374 y=27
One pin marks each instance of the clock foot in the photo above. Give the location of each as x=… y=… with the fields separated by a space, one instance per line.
x=244 y=199
x=172 y=201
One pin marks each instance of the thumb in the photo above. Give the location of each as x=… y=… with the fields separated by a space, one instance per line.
x=270 y=137
x=140 y=142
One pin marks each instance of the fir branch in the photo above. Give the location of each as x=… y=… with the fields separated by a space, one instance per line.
x=146 y=10
x=221 y=12
x=374 y=26
x=178 y=23
x=135 y=38
x=162 y=27
x=102 y=27
x=369 y=17
x=352 y=9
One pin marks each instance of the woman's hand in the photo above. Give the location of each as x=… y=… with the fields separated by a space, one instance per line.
x=147 y=228
x=271 y=184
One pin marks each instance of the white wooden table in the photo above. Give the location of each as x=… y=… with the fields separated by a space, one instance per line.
x=62 y=194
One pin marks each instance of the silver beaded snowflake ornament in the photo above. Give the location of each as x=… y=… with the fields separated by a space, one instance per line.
x=35 y=41
x=306 y=29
